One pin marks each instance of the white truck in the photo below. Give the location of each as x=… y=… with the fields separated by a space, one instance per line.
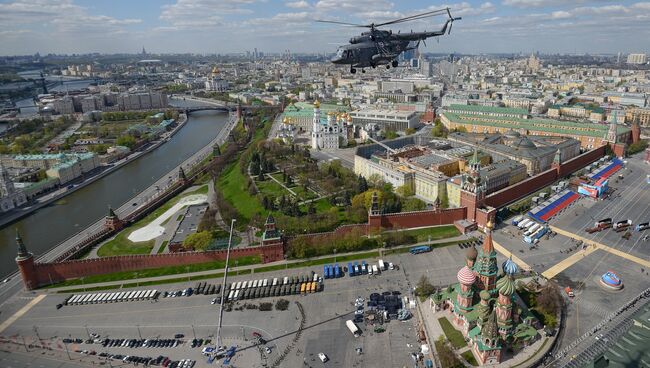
x=382 y=265
x=353 y=328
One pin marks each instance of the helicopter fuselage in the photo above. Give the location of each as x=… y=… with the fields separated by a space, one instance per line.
x=379 y=47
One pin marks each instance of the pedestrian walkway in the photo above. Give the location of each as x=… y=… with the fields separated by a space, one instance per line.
x=520 y=262
x=591 y=247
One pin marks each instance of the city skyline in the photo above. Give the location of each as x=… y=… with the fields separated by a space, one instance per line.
x=202 y=26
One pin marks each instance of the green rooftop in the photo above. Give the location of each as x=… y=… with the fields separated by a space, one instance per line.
x=305 y=109
x=567 y=128
x=488 y=109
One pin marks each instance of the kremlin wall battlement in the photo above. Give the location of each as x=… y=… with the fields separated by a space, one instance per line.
x=39 y=274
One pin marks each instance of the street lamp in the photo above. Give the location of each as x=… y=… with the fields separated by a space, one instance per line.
x=223 y=286
x=334 y=255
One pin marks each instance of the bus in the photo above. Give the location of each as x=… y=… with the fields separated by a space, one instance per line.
x=420 y=249
x=350 y=269
x=303 y=286
x=337 y=271
x=517 y=219
x=523 y=223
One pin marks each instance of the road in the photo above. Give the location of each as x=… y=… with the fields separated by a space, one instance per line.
x=13 y=284
x=597 y=340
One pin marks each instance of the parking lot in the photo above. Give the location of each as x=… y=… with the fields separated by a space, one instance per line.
x=581 y=269
x=323 y=326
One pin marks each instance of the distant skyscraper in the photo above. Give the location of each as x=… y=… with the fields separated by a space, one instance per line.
x=144 y=52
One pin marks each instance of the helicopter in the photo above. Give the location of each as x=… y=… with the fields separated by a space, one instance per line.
x=378 y=47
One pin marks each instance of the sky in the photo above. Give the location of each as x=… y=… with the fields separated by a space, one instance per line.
x=228 y=26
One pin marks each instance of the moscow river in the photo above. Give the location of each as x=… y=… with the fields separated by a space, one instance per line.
x=50 y=225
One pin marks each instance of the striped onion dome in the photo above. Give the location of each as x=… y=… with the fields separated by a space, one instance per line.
x=510 y=267
x=506 y=285
x=466 y=276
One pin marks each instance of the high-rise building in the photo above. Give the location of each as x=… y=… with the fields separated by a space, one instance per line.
x=637 y=58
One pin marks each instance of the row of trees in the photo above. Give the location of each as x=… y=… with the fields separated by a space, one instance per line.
x=30 y=136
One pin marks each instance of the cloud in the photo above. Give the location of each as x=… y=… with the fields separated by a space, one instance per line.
x=63 y=16
x=297 y=4
x=201 y=14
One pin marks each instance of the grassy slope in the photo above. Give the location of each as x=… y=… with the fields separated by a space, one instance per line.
x=121 y=245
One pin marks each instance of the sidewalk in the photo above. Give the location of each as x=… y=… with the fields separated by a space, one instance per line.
x=118 y=283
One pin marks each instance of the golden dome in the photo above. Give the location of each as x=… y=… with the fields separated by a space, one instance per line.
x=317 y=104
x=215 y=70
x=489 y=225
x=285 y=120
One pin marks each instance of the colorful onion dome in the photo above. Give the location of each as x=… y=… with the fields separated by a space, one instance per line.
x=484 y=294
x=506 y=285
x=510 y=267
x=471 y=253
x=466 y=276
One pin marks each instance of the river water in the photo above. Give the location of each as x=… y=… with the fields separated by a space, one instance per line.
x=50 y=225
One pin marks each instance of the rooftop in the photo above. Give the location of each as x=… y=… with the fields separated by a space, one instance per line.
x=568 y=128
x=488 y=109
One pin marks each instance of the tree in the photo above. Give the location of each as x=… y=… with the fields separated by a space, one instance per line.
x=549 y=299
x=413 y=204
x=424 y=287
x=390 y=134
x=637 y=147
x=375 y=180
x=409 y=131
x=362 y=184
x=198 y=241
x=405 y=191
x=126 y=140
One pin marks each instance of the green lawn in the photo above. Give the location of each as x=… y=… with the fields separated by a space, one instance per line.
x=453 y=335
x=163 y=246
x=271 y=188
x=405 y=249
x=470 y=358
x=153 y=272
x=232 y=186
x=438 y=232
x=121 y=245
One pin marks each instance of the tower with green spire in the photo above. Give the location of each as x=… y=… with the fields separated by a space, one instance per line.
x=486 y=263
x=112 y=221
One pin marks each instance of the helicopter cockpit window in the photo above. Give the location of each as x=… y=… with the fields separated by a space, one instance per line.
x=339 y=53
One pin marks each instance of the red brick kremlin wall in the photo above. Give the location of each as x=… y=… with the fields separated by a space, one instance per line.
x=46 y=273
x=523 y=188
x=405 y=220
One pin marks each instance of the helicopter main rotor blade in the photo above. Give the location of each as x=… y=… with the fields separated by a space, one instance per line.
x=343 y=23
x=415 y=17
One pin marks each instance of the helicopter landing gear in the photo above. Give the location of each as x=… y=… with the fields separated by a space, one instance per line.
x=394 y=63
x=387 y=66
x=352 y=70
x=363 y=70
x=374 y=66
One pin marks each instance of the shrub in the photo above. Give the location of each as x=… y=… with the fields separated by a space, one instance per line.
x=266 y=306
x=282 y=304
